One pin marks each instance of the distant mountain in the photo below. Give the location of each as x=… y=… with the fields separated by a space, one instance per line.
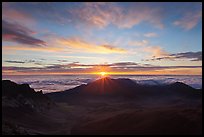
x=125 y=88
x=121 y=106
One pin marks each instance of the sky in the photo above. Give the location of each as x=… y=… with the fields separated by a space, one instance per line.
x=145 y=38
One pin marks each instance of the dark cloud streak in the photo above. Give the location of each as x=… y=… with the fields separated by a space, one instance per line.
x=25 y=61
x=20 y=34
x=193 y=56
x=11 y=61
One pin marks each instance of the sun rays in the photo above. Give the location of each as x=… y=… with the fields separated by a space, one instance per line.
x=103 y=73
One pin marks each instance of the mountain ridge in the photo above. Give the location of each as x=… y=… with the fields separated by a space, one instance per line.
x=126 y=88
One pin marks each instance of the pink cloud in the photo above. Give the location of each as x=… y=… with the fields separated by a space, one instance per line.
x=16 y=16
x=139 y=43
x=102 y=14
x=145 y=47
x=150 y=34
x=189 y=20
x=156 y=51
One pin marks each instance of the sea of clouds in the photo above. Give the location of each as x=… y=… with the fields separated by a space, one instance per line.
x=61 y=83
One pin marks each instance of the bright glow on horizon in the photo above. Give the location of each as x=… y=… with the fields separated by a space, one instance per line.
x=103 y=73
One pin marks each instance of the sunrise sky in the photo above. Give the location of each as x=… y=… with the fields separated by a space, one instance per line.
x=89 y=38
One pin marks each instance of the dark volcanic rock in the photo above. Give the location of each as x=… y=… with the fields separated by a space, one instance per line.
x=15 y=95
x=22 y=108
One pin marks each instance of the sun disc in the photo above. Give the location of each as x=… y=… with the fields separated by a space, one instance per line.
x=103 y=73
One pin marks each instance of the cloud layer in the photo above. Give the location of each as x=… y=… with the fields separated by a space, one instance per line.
x=112 y=68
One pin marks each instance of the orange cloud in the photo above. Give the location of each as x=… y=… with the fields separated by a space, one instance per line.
x=78 y=45
x=8 y=49
x=156 y=51
x=65 y=45
x=153 y=51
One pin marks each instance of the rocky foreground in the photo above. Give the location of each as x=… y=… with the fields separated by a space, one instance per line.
x=105 y=106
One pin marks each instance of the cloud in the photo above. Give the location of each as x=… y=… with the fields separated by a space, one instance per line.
x=90 y=14
x=11 y=14
x=12 y=61
x=139 y=43
x=100 y=14
x=193 y=56
x=145 y=47
x=123 y=64
x=189 y=20
x=150 y=34
x=95 y=14
x=155 y=51
x=78 y=44
x=30 y=13
x=103 y=14
x=44 y=49
x=113 y=49
x=36 y=62
x=20 y=34
x=62 y=60
x=68 y=45
x=118 y=67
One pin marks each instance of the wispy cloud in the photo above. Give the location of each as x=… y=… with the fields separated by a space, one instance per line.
x=189 y=20
x=139 y=43
x=62 y=60
x=151 y=34
x=103 y=14
x=155 y=51
x=146 y=47
x=192 y=56
x=36 y=62
x=68 y=45
x=78 y=44
x=20 y=34
x=30 y=13
x=9 y=13
x=48 y=49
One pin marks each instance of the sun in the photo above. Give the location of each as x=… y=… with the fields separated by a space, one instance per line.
x=103 y=73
